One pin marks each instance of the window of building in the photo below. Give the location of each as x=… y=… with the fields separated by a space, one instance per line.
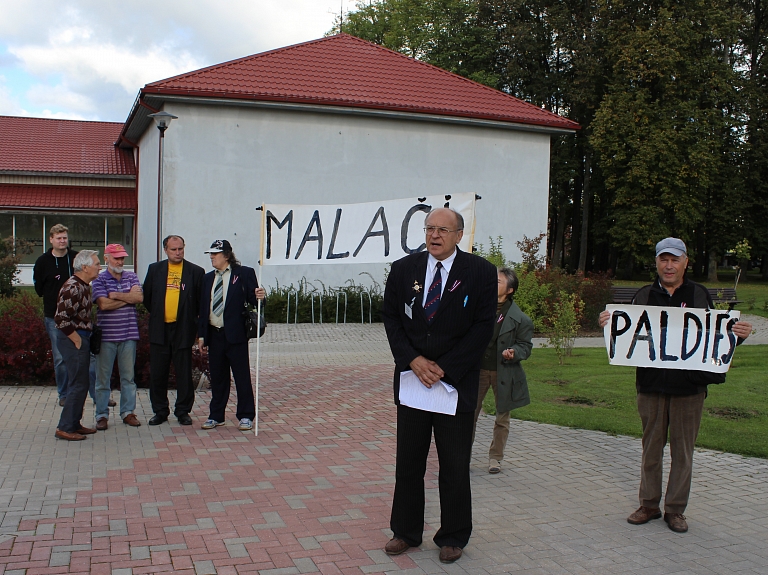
x=86 y=232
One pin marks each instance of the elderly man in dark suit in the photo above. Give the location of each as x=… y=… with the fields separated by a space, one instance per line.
x=226 y=291
x=172 y=296
x=439 y=308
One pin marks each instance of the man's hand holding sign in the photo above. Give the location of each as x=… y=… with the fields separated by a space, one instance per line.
x=680 y=344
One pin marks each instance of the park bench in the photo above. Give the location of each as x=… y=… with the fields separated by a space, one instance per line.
x=622 y=294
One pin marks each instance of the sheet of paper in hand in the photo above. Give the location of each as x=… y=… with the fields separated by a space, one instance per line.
x=671 y=337
x=440 y=398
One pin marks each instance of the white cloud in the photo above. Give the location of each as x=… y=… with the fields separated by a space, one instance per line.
x=102 y=53
x=73 y=53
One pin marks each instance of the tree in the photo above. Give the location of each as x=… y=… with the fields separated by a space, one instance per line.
x=659 y=130
x=443 y=33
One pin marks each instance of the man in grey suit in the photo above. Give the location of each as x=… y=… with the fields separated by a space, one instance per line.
x=172 y=296
x=438 y=312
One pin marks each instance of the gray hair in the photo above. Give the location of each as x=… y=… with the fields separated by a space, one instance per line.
x=459 y=217
x=84 y=258
x=511 y=277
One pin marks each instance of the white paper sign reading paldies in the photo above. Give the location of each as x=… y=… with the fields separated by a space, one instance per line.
x=440 y=398
x=671 y=337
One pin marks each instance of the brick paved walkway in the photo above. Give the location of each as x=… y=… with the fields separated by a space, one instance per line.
x=311 y=493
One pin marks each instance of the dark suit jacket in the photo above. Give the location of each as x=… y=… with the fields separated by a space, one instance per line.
x=242 y=283
x=461 y=329
x=189 y=302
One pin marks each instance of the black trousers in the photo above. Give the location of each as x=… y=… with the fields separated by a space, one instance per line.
x=77 y=362
x=223 y=356
x=453 y=439
x=160 y=358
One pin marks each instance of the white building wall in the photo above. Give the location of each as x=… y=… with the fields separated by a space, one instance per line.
x=221 y=162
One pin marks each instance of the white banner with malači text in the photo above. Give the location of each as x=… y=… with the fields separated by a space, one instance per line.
x=370 y=232
x=671 y=337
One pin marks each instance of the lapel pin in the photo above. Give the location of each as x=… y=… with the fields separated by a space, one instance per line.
x=416 y=286
x=456 y=284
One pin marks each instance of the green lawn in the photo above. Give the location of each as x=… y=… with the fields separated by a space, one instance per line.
x=587 y=393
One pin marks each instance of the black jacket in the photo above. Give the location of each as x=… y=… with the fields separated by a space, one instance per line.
x=189 y=302
x=461 y=329
x=49 y=274
x=242 y=283
x=674 y=381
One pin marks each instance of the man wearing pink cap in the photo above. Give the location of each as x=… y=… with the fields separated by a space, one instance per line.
x=116 y=293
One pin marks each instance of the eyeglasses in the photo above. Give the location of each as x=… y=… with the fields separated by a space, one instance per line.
x=429 y=230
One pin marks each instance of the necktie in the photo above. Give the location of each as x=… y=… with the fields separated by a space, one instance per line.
x=433 y=295
x=218 y=295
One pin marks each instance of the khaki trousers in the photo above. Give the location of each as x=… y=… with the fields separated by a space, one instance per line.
x=501 y=426
x=679 y=417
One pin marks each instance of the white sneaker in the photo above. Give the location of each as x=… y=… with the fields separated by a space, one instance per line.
x=245 y=424
x=211 y=423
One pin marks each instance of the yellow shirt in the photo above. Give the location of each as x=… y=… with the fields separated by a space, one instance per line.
x=172 y=291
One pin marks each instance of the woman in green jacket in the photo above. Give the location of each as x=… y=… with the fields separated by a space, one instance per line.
x=500 y=368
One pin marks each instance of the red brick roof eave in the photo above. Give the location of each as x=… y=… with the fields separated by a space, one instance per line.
x=561 y=123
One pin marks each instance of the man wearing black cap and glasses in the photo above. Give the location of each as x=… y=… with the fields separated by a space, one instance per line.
x=222 y=330
x=670 y=401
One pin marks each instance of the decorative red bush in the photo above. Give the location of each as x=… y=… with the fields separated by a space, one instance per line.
x=25 y=350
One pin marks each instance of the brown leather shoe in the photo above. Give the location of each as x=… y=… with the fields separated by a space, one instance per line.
x=102 y=424
x=85 y=430
x=395 y=546
x=449 y=554
x=62 y=401
x=112 y=402
x=131 y=420
x=68 y=436
x=676 y=522
x=643 y=515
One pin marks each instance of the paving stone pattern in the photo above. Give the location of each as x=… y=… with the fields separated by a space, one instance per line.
x=312 y=492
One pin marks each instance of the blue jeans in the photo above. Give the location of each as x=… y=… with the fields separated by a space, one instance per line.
x=125 y=352
x=58 y=361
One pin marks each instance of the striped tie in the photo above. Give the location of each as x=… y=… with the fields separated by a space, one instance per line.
x=218 y=295
x=433 y=295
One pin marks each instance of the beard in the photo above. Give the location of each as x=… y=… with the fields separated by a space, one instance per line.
x=116 y=269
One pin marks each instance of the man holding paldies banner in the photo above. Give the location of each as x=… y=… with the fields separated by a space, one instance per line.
x=670 y=401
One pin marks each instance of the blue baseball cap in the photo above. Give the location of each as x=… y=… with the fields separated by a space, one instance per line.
x=673 y=246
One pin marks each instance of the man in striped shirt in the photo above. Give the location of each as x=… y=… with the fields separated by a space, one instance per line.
x=116 y=293
x=73 y=320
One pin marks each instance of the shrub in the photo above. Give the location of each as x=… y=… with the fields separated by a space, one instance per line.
x=25 y=350
x=495 y=255
x=309 y=295
x=564 y=321
x=11 y=252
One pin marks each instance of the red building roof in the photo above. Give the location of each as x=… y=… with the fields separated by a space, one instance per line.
x=72 y=198
x=343 y=70
x=63 y=147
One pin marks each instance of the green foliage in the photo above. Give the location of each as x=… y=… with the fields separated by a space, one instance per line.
x=564 y=324
x=495 y=254
x=11 y=253
x=444 y=33
x=671 y=98
x=530 y=297
x=281 y=303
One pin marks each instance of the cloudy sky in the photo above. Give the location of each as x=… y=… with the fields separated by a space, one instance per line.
x=87 y=59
